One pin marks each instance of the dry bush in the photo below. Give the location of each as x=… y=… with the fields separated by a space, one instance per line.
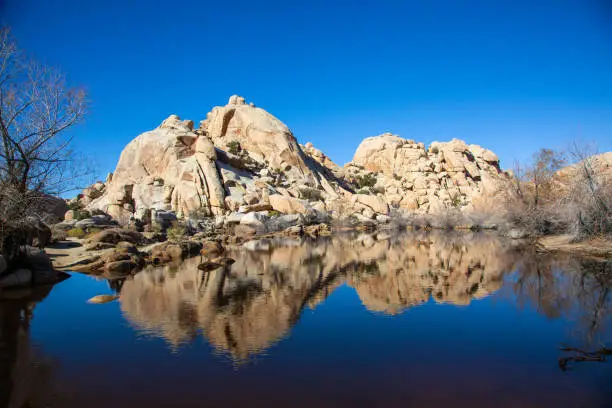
x=575 y=201
x=176 y=232
x=76 y=233
x=588 y=203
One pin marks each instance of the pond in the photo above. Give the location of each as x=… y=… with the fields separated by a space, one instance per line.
x=427 y=320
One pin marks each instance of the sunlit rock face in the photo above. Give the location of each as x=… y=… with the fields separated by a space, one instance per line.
x=244 y=308
x=259 y=133
x=168 y=168
x=239 y=151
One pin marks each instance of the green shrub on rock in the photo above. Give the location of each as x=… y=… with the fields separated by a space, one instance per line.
x=76 y=233
x=233 y=147
x=367 y=180
x=176 y=232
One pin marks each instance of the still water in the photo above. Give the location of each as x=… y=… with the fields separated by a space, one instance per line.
x=358 y=321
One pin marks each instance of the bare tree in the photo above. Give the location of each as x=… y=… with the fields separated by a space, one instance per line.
x=36 y=109
x=546 y=163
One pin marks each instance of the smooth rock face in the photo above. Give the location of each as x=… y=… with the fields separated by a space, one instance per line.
x=373 y=203
x=258 y=132
x=288 y=205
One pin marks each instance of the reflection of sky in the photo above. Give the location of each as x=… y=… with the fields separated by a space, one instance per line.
x=489 y=351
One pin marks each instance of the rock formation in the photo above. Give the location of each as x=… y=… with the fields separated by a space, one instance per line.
x=451 y=175
x=242 y=159
x=240 y=155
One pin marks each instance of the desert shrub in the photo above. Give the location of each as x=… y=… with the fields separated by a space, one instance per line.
x=81 y=214
x=75 y=205
x=202 y=212
x=76 y=233
x=273 y=213
x=578 y=202
x=367 y=180
x=456 y=201
x=58 y=235
x=364 y=191
x=156 y=228
x=587 y=208
x=176 y=232
x=234 y=147
x=310 y=194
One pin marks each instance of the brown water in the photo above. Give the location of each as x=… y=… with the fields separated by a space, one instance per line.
x=438 y=320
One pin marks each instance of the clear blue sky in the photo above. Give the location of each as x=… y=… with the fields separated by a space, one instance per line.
x=512 y=76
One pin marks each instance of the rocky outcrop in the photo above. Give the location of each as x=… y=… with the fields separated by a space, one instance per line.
x=241 y=159
x=239 y=155
x=451 y=175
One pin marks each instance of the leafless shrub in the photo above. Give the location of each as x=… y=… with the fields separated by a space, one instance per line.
x=588 y=204
x=576 y=200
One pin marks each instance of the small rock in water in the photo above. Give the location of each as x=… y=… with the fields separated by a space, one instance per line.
x=102 y=299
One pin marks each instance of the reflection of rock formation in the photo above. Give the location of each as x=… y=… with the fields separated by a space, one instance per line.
x=242 y=308
x=245 y=307
x=449 y=270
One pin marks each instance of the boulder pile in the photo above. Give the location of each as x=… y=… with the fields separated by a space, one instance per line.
x=243 y=167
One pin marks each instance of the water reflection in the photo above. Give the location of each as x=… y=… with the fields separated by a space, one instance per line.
x=577 y=290
x=244 y=308
x=25 y=376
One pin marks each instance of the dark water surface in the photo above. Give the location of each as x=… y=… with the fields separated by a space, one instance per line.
x=366 y=321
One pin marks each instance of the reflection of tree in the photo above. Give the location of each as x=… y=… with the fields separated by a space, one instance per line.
x=576 y=289
x=24 y=379
x=594 y=295
x=538 y=281
x=244 y=308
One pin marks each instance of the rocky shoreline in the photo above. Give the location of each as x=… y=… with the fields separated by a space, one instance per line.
x=113 y=251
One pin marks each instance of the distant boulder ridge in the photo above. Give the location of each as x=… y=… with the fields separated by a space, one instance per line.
x=243 y=159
